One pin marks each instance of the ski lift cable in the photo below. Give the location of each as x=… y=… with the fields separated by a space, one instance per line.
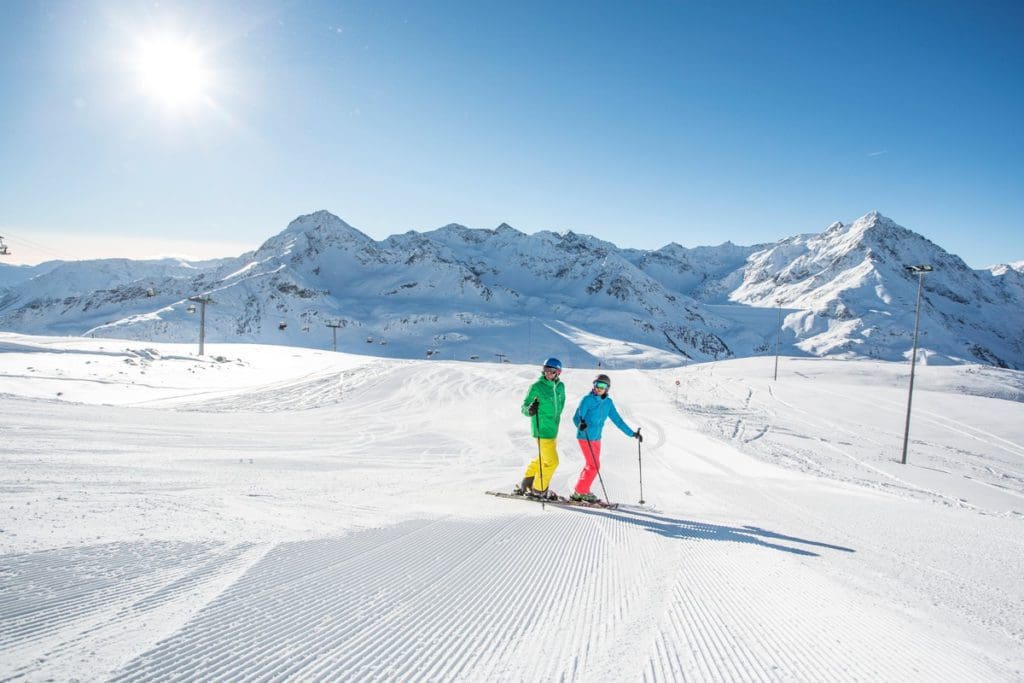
x=16 y=238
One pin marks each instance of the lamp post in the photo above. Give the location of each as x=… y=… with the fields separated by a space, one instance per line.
x=778 y=340
x=919 y=271
x=202 y=301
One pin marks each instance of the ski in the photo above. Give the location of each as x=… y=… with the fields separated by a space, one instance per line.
x=645 y=508
x=561 y=500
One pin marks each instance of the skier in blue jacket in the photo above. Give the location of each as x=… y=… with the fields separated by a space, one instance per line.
x=594 y=409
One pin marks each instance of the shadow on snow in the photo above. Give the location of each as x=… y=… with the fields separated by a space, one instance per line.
x=685 y=528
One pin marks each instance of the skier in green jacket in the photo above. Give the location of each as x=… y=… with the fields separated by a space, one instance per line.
x=543 y=405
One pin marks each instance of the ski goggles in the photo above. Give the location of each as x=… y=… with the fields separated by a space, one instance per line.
x=601 y=385
x=548 y=368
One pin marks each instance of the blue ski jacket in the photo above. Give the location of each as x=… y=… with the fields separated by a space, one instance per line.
x=594 y=410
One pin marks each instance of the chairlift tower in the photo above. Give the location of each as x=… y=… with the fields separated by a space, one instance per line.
x=778 y=340
x=334 y=325
x=202 y=300
x=919 y=271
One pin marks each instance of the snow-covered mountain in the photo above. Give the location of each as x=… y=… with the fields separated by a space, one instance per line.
x=848 y=291
x=461 y=293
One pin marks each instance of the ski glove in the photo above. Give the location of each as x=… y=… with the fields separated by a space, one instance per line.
x=583 y=425
x=638 y=436
x=532 y=410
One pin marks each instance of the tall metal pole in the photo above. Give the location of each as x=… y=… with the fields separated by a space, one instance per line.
x=202 y=326
x=778 y=340
x=920 y=270
x=202 y=301
x=334 y=333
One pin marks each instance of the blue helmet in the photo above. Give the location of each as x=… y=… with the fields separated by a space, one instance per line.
x=553 y=363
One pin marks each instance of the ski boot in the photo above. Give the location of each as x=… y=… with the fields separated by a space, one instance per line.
x=524 y=487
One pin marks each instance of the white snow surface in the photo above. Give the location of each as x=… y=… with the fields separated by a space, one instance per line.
x=285 y=513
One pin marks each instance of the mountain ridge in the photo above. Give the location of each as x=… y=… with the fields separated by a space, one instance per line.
x=457 y=292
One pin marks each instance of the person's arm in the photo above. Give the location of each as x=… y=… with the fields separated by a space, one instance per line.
x=619 y=422
x=586 y=409
x=577 y=417
x=530 y=396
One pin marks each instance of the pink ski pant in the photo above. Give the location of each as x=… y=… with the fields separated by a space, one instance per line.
x=592 y=458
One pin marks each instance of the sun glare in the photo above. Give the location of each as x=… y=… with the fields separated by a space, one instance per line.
x=172 y=72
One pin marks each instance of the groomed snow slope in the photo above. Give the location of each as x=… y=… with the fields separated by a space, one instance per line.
x=284 y=513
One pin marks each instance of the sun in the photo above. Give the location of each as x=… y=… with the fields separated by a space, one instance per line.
x=172 y=72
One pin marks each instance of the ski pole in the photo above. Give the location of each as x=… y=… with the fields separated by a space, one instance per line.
x=540 y=455
x=640 y=464
x=597 y=466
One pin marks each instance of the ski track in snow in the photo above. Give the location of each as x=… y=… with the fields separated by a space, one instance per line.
x=503 y=599
x=316 y=390
x=760 y=414
x=479 y=588
x=71 y=600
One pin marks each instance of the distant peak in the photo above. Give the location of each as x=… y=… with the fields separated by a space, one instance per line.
x=508 y=231
x=871 y=223
x=316 y=219
x=323 y=220
x=872 y=219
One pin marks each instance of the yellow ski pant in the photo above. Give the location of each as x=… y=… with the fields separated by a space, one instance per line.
x=549 y=459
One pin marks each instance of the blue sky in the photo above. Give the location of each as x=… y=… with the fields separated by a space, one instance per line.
x=640 y=123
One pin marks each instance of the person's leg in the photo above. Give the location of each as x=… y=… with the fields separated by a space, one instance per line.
x=592 y=458
x=531 y=470
x=549 y=462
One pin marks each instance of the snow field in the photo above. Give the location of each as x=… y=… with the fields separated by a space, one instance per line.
x=323 y=518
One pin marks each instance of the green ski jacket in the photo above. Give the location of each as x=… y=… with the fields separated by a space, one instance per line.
x=549 y=410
